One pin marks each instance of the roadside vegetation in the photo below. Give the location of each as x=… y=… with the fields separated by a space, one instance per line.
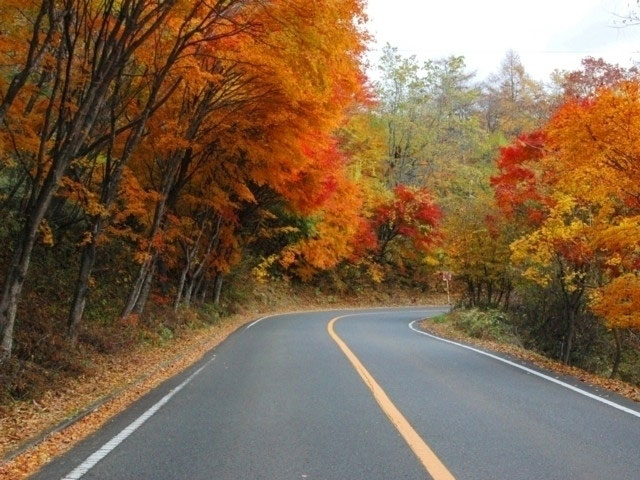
x=556 y=243
x=538 y=189
x=507 y=335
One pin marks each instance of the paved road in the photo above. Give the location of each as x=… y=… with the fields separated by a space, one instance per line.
x=282 y=400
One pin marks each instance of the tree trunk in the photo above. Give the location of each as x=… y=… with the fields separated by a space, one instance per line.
x=478 y=300
x=15 y=277
x=566 y=357
x=138 y=283
x=201 y=290
x=146 y=288
x=183 y=278
x=136 y=289
x=217 y=289
x=188 y=293
x=618 y=353
x=193 y=285
x=87 y=261
x=472 y=293
x=499 y=299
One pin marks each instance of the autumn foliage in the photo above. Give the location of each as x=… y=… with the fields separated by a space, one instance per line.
x=517 y=187
x=152 y=150
x=170 y=129
x=155 y=148
x=570 y=195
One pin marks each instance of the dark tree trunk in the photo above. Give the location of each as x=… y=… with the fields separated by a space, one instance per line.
x=499 y=299
x=15 y=277
x=618 y=353
x=201 y=290
x=471 y=292
x=87 y=261
x=136 y=289
x=489 y=293
x=507 y=298
x=571 y=326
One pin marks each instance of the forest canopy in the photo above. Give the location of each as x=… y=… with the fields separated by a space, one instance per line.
x=151 y=150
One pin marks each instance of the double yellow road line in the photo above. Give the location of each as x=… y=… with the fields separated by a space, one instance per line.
x=425 y=455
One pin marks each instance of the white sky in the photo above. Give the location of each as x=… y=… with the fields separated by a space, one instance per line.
x=548 y=34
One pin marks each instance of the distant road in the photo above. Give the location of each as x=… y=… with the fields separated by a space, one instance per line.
x=367 y=397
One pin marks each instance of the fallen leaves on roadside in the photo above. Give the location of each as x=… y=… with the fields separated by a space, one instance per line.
x=618 y=386
x=24 y=420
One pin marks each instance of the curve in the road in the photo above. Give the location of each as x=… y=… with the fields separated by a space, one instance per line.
x=281 y=401
x=427 y=457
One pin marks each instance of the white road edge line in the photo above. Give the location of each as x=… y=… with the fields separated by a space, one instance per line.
x=103 y=451
x=617 y=406
x=258 y=320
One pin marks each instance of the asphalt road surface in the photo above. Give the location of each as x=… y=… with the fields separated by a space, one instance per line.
x=367 y=397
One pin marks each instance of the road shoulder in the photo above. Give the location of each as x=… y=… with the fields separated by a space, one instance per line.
x=617 y=390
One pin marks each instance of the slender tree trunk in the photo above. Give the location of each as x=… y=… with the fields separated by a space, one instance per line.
x=201 y=290
x=472 y=293
x=136 y=289
x=190 y=287
x=87 y=261
x=217 y=289
x=571 y=319
x=500 y=295
x=507 y=298
x=188 y=293
x=183 y=277
x=15 y=277
x=146 y=288
x=618 y=353
x=193 y=287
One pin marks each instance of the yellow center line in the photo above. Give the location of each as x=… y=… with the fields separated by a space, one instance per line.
x=426 y=456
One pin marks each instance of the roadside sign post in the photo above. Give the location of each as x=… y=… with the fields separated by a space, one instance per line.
x=446 y=277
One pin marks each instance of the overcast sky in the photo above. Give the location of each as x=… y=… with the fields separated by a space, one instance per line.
x=548 y=34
